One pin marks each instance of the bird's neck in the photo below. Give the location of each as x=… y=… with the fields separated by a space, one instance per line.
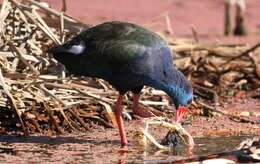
x=175 y=85
x=171 y=88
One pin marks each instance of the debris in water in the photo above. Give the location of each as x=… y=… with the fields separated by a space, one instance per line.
x=176 y=136
x=173 y=138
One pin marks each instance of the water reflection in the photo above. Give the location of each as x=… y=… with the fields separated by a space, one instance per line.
x=204 y=146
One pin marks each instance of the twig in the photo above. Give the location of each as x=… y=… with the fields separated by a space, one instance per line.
x=106 y=100
x=62 y=36
x=64 y=6
x=86 y=87
x=228 y=17
x=29 y=15
x=66 y=18
x=105 y=87
x=242 y=54
x=5 y=10
x=215 y=95
x=195 y=33
x=59 y=129
x=151 y=138
x=65 y=117
x=46 y=26
x=159 y=103
x=20 y=56
x=109 y=112
x=41 y=86
x=98 y=119
x=240 y=26
x=79 y=119
x=34 y=121
x=61 y=110
x=4 y=86
x=168 y=24
x=232 y=117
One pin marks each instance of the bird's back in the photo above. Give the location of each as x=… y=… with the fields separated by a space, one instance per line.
x=122 y=53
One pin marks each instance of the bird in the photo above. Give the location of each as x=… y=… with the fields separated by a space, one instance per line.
x=129 y=57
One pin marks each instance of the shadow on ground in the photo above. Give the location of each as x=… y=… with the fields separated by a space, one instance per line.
x=56 y=140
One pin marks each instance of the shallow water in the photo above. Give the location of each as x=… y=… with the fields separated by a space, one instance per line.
x=212 y=145
x=204 y=146
x=38 y=149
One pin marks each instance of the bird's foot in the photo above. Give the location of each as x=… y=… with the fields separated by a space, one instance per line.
x=142 y=113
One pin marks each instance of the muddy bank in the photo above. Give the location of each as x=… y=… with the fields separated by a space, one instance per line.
x=102 y=145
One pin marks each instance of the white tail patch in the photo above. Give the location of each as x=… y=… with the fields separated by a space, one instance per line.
x=77 y=49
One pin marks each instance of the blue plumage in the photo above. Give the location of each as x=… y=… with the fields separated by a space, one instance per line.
x=128 y=57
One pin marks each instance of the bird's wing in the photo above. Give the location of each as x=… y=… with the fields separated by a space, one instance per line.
x=106 y=48
x=105 y=57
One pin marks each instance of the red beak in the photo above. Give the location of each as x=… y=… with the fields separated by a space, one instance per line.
x=180 y=113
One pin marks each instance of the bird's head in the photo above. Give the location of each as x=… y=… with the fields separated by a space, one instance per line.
x=181 y=98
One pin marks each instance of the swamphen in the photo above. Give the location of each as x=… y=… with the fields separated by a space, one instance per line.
x=128 y=57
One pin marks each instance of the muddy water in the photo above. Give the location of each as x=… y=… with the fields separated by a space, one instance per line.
x=212 y=145
x=76 y=149
x=204 y=146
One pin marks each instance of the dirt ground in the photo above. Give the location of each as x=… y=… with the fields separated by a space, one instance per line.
x=206 y=16
x=102 y=145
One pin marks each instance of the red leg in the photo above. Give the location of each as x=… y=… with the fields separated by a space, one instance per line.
x=139 y=111
x=121 y=127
